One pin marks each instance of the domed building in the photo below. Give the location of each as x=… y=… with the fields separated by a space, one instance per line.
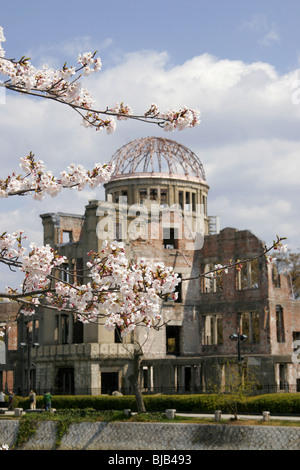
x=156 y=202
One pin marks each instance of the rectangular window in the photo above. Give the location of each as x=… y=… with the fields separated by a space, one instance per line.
x=173 y=340
x=247 y=276
x=143 y=194
x=249 y=326
x=187 y=206
x=280 y=324
x=213 y=330
x=180 y=199
x=153 y=194
x=67 y=236
x=56 y=328
x=275 y=276
x=210 y=284
x=65 y=272
x=118 y=231
x=118 y=337
x=296 y=337
x=164 y=196
x=64 y=329
x=170 y=238
x=77 y=332
x=145 y=378
x=193 y=202
x=204 y=203
x=282 y=376
x=61 y=329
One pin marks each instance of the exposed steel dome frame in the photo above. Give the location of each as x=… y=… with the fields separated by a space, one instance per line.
x=157 y=155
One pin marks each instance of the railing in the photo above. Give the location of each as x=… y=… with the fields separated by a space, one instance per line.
x=262 y=389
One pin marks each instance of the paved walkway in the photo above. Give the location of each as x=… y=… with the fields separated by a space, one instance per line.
x=242 y=416
x=199 y=415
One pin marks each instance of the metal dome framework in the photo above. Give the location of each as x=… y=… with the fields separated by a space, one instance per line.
x=157 y=155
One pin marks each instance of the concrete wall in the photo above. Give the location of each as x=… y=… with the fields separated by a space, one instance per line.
x=156 y=436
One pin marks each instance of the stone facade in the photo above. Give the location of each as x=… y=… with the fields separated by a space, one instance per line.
x=8 y=344
x=193 y=348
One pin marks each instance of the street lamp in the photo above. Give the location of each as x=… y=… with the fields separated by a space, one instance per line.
x=29 y=364
x=238 y=337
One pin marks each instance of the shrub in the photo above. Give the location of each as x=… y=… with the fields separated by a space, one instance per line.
x=282 y=403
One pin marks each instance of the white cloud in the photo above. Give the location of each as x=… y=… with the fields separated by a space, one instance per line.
x=266 y=34
x=48 y=53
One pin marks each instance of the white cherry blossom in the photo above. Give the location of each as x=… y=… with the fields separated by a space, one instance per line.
x=38 y=181
x=64 y=86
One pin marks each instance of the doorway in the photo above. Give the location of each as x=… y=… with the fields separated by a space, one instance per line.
x=109 y=382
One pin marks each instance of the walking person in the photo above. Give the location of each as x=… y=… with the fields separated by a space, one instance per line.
x=47 y=401
x=10 y=400
x=32 y=398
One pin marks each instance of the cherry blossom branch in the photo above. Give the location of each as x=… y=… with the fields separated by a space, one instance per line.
x=219 y=269
x=38 y=181
x=63 y=86
x=123 y=294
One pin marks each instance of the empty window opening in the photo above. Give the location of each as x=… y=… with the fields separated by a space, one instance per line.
x=211 y=283
x=170 y=238
x=193 y=202
x=65 y=274
x=67 y=236
x=173 y=340
x=213 y=330
x=275 y=276
x=187 y=202
x=280 y=324
x=118 y=231
x=282 y=376
x=180 y=198
x=249 y=326
x=164 y=196
x=143 y=194
x=77 y=332
x=247 y=276
x=153 y=194
x=118 y=337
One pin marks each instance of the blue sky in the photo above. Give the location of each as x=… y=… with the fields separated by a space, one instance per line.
x=260 y=30
x=237 y=61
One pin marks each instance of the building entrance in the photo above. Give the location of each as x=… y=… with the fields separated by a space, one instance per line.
x=109 y=382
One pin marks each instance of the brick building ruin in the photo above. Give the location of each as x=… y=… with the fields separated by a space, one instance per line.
x=155 y=182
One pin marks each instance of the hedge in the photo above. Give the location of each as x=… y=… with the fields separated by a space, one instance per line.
x=275 y=403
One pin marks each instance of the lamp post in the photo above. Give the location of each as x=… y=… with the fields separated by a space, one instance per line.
x=238 y=337
x=28 y=346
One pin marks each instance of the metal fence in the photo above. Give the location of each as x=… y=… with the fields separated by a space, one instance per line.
x=196 y=390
